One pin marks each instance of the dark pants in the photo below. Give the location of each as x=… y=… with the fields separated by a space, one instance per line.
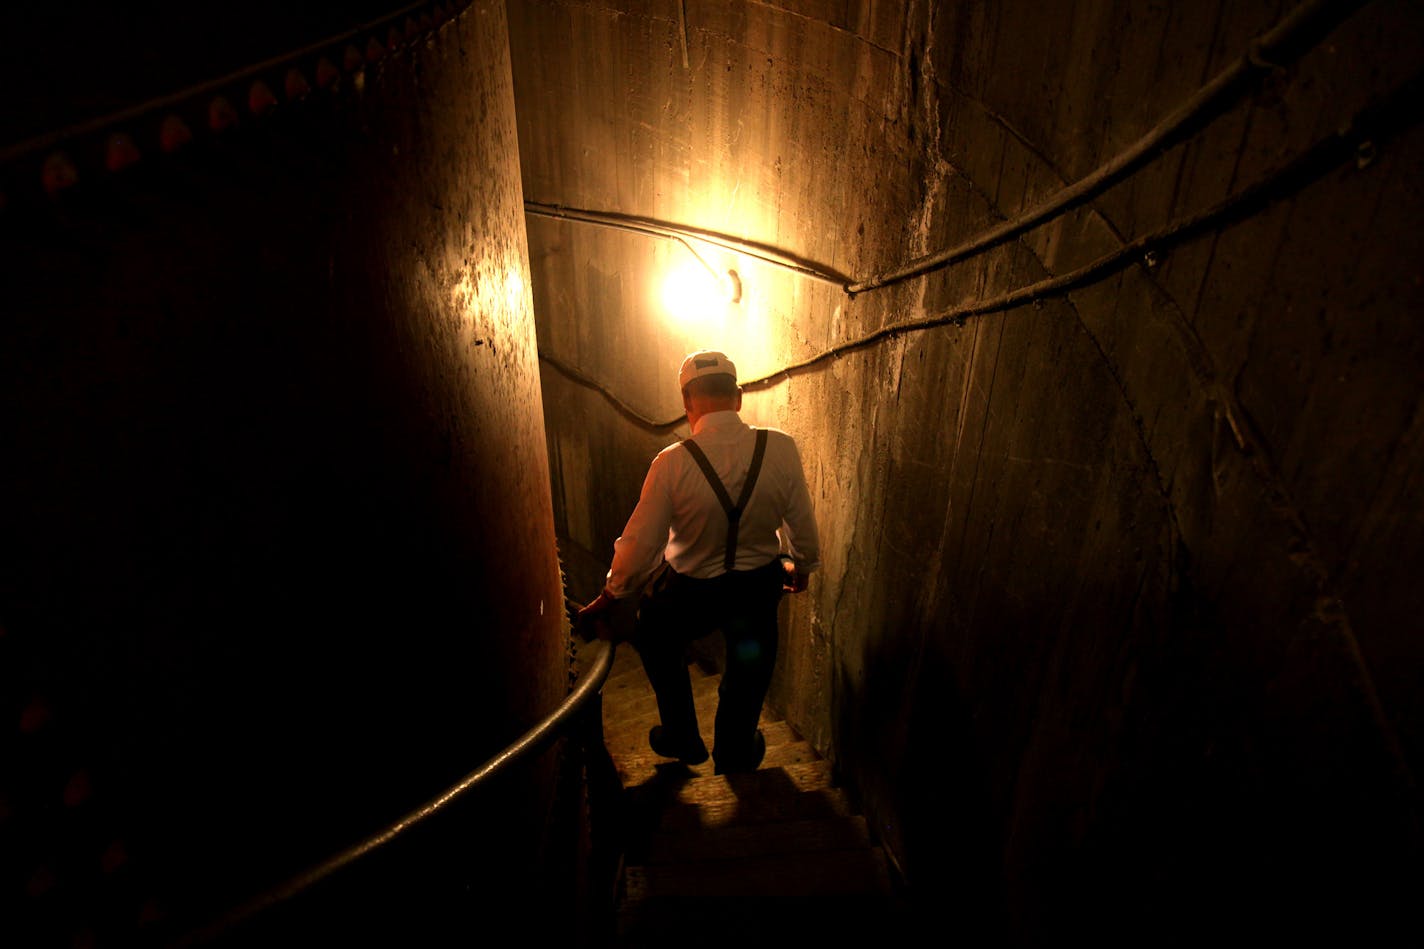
x=742 y=604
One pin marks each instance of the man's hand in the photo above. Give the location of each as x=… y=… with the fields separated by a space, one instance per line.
x=592 y=621
x=607 y=618
x=796 y=579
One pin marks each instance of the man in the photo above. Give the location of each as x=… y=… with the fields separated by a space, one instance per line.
x=717 y=508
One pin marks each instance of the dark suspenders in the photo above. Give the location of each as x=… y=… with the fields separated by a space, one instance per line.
x=734 y=511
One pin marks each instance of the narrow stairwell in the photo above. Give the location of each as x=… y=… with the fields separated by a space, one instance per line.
x=757 y=858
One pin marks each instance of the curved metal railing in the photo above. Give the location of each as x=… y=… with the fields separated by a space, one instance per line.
x=598 y=660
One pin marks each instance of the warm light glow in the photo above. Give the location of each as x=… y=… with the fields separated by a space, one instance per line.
x=703 y=296
x=513 y=290
x=761 y=326
x=693 y=294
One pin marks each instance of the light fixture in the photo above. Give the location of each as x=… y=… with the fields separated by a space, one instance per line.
x=695 y=292
x=733 y=284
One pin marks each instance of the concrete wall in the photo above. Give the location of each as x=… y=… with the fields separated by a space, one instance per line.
x=1118 y=632
x=278 y=554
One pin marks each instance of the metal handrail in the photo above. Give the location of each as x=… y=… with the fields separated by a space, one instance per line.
x=586 y=689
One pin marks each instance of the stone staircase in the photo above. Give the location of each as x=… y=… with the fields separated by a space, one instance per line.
x=755 y=858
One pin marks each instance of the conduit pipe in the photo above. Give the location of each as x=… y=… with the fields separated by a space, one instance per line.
x=1402 y=109
x=1283 y=43
x=1286 y=41
x=598 y=659
x=681 y=233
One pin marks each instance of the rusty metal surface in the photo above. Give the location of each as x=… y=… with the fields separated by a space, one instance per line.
x=279 y=555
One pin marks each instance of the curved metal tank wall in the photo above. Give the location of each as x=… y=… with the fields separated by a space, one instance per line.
x=1118 y=631
x=278 y=556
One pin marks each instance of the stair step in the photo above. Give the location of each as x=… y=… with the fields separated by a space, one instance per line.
x=748 y=840
x=775 y=855
x=627 y=671
x=765 y=783
x=625 y=688
x=637 y=767
x=788 y=752
x=637 y=704
x=632 y=737
x=832 y=920
x=837 y=872
x=697 y=785
x=643 y=715
x=627 y=666
x=810 y=805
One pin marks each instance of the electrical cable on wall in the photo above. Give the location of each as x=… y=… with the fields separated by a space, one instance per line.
x=1285 y=42
x=1359 y=142
x=1292 y=37
x=1289 y=39
x=684 y=234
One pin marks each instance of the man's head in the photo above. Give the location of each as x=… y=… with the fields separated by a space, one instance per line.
x=709 y=384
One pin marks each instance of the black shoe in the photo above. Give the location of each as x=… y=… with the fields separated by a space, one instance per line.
x=750 y=763
x=688 y=752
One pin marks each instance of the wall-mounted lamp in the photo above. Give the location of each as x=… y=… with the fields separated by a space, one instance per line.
x=695 y=291
x=734 y=287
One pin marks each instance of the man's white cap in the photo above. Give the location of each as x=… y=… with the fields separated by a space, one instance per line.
x=705 y=363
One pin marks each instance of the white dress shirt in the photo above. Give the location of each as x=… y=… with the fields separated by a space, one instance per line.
x=678 y=516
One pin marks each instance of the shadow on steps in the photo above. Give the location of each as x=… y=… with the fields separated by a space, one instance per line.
x=758 y=858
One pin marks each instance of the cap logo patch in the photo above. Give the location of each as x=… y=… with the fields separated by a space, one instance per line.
x=705 y=363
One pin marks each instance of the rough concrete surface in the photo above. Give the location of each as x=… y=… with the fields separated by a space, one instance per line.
x=1135 y=564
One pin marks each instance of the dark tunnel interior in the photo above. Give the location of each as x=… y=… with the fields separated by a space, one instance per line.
x=335 y=342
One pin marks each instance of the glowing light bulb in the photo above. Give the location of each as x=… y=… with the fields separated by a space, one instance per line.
x=692 y=294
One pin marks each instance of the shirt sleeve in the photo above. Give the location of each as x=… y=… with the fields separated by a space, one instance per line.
x=639 y=551
x=798 y=526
